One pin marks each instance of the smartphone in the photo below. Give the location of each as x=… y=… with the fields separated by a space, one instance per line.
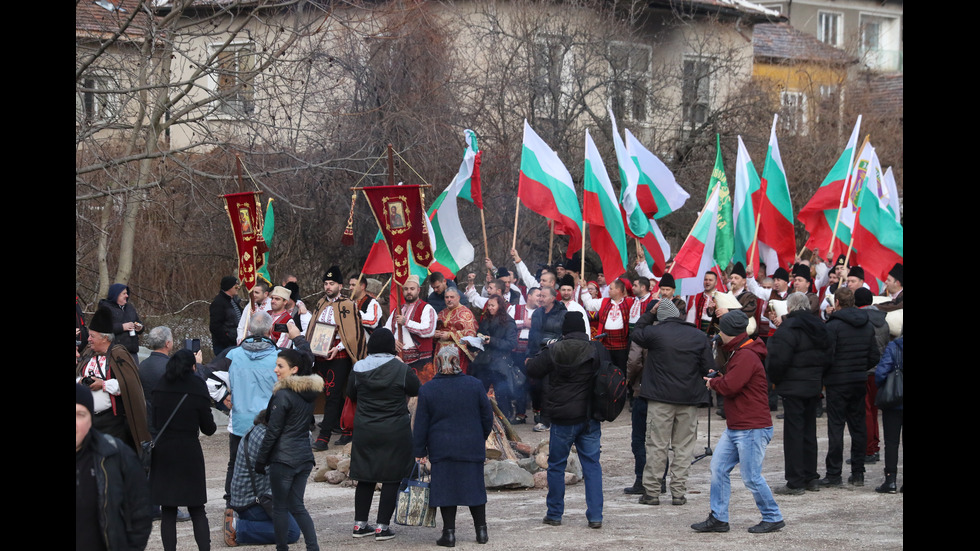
x=194 y=345
x=280 y=328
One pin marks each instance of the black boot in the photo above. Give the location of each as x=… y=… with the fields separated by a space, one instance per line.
x=888 y=486
x=448 y=538
x=481 y=534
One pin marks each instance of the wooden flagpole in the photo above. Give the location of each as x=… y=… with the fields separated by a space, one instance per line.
x=582 y=270
x=551 y=239
x=517 y=211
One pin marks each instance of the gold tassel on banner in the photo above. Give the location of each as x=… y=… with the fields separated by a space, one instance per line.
x=348 y=238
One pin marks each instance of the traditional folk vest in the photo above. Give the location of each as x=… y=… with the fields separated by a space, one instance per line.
x=423 y=345
x=616 y=339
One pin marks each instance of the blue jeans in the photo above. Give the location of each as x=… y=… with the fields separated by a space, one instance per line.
x=638 y=436
x=255 y=528
x=586 y=437
x=746 y=448
x=288 y=489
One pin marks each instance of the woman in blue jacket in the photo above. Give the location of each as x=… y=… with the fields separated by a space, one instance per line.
x=892 y=418
x=452 y=423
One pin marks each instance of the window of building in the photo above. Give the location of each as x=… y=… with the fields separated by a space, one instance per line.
x=696 y=91
x=793 y=112
x=233 y=79
x=830 y=28
x=630 y=80
x=95 y=98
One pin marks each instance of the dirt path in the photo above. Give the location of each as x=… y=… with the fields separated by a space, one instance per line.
x=845 y=518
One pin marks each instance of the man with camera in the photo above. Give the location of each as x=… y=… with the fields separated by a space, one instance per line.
x=111 y=374
x=749 y=429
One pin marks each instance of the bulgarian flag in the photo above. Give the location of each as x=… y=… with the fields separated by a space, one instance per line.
x=379 y=259
x=471 y=190
x=601 y=211
x=725 y=239
x=546 y=187
x=659 y=194
x=861 y=170
x=638 y=218
x=819 y=215
x=747 y=186
x=453 y=250
x=892 y=195
x=878 y=237
x=776 y=235
x=696 y=255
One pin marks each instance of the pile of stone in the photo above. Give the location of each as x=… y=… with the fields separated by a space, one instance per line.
x=336 y=467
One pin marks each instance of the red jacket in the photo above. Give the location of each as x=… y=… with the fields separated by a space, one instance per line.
x=744 y=385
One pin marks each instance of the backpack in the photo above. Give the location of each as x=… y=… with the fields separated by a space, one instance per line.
x=608 y=392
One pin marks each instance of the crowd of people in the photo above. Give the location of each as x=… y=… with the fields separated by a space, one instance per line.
x=806 y=334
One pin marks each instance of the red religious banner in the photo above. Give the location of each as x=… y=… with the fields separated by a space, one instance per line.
x=245 y=214
x=400 y=213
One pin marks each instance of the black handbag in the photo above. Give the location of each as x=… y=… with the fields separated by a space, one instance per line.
x=892 y=393
x=146 y=446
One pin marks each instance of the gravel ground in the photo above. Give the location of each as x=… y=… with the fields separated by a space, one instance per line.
x=843 y=518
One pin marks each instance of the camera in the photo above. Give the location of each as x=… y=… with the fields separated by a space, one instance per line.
x=713 y=374
x=88 y=381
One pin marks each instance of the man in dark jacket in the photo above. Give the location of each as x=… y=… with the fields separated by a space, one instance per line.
x=225 y=312
x=112 y=498
x=749 y=429
x=853 y=351
x=799 y=355
x=678 y=356
x=546 y=324
x=571 y=365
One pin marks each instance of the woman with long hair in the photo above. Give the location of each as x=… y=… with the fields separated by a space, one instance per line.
x=452 y=422
x=286 y=446
x=177 y=476
x=382 y=444
x=494 y=364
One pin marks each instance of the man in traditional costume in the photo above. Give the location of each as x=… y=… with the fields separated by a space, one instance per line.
x=413 y=326
x=455 y=322
x=113 y=377
x=339 y=317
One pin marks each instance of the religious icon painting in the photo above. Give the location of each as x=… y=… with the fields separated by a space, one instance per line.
x=322 y=338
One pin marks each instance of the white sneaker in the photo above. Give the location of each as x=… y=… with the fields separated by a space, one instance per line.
x=541 y=427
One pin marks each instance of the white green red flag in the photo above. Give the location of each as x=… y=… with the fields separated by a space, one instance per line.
x=546 y=187
x=725 y=238
x=602 y=214
x=861 y=170
x=637 y=213
x=892 y=195
x=819 y=215
x=777 y=238
x=878 y=237
x=453 y=250
x=379 y=259
x=471 y=190
x=696 y=254
x=658 y=192
x=747 y=186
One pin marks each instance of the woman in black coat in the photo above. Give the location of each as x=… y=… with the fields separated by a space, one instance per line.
x=382 y=438
x=177 y=475
x=452 y=423
x=286 y=447
x=126 y=325
x=494 y=364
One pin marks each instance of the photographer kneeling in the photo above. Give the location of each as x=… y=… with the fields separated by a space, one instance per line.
x=250 y=524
